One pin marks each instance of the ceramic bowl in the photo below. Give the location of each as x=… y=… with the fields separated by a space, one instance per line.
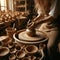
x=31 y=49
x=4 y=51
x=20 y=54
x=12 y=57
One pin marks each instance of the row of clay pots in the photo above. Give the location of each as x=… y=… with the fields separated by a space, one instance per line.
x=17 y=51
x=20 y=55
x=30 y=49
x=23 y=52
x=4 y=41
x=9 y=16
x=13 y=57
x=20 y=51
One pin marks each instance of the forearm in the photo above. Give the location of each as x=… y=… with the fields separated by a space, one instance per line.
x=46 y=19
x=39 y=20
x=39 y=17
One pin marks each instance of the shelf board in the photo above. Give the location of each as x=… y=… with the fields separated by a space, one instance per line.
x=21 y=6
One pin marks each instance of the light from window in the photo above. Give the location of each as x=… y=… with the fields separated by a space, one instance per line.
x=3 y=4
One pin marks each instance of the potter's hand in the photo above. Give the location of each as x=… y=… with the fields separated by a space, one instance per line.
x=31 y=29
x=30 y=24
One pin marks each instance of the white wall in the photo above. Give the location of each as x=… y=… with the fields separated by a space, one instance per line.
x=11 y=5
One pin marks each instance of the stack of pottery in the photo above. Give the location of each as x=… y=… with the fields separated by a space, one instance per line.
x=16 y=51
x=10 y=31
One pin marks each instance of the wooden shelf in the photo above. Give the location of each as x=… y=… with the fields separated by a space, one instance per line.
x=21 y=5
x=20 y=0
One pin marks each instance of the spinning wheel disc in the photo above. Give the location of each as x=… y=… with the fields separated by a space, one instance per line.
x=21 y=37
x=25 y=37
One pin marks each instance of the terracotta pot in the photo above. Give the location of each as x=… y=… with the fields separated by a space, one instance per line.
x=17 y=46
x=33 y=57
x=12 y=57
x=2 y=38
x=20 y=54
x=4 y=51
x=31 y=32
x=30 y=29
x=13 y=50
x=5 y=40
x=10 y=45
x=31 y=49
x=10 y=31
x=41 y=54
x=26 y=58
x=42 y=46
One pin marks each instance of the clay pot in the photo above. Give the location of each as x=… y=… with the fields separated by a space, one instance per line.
x=26 y=58
x=41 y=54
x=30 y=29
x=10 y=45
x=31 y=33
x=13 y=50
x=20 y=54
x=31 y=49
x=12 y=57
x=4 y=51
x=42 y=46
x=38 y=58
x=17 y=46
x=5 y=40
x=10 y=31
x=33 y=57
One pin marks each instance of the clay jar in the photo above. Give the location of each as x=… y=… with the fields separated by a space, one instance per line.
x=4 y=51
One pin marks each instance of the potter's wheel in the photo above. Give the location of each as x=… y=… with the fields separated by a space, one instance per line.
x=22 y=37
